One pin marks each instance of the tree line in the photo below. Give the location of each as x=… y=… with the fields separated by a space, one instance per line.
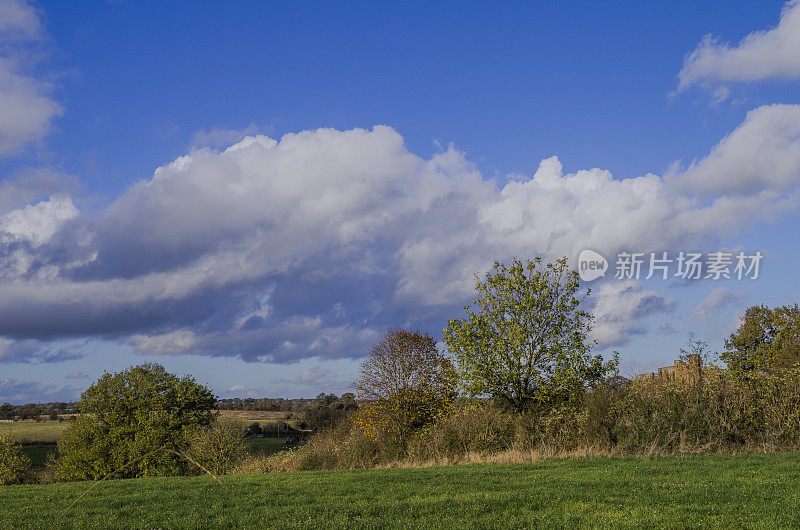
x=517 y=370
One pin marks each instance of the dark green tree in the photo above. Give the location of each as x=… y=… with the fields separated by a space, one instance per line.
x=254 y=429
x=127 y=415
x=525 y=343
x=768 y=339
x=30 y=411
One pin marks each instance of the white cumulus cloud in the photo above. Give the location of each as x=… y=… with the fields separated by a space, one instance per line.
x=766 y=54
x=26 y=104
x=312 y=244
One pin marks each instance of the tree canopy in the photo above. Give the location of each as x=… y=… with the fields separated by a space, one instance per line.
x=767 y=339
x=525 y=339
x=406 y=381
x=129 y=414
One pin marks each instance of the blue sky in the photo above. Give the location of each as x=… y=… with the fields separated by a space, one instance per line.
x=383 y=156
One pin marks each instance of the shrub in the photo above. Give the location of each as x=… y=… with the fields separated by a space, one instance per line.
x=343 y=447
x=722 y=413
x=553 y=431
x=464 y=430
x=323 y=416
x=254 y=429
x=648 y=415
x=599 y=415
x=14 y=465
x=219 y=447
x=129 y=415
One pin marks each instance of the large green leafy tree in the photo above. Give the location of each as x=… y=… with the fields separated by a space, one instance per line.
x=130 y=414
x=525 y=342
x=767 y=339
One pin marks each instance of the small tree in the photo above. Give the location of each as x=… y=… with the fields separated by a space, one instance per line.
x=127 y=415
x=6 y=411
x=348 y=401
x=526 y=343
x=321 y=416
x=767 y=339
x=14 y=465
x=254 y=429
x=406 y=381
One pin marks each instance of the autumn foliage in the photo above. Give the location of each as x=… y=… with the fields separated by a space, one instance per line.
x=405 y=383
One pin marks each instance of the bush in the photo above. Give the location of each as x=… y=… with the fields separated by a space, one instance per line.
x=319 y=418
x=648 y=415
x=462 y=431
x=126 y=418
x=219 y=447
x=254 y=429
x=723 y=413
x=342 y=447
x=14 y=465
x=599 y=416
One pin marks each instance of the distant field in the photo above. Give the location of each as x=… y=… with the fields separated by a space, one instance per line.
x=267 y=445
x=672 y=492
x=262 y=417
x=253 y=415
x=46 y=431
x=28 y=431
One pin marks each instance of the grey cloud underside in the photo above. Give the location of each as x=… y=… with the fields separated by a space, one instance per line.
x=19 y=392
x=315 y=244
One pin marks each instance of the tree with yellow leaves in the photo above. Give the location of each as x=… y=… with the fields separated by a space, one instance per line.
x=405 y=383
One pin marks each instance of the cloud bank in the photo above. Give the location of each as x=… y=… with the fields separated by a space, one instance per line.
x=19 y=392
x=26 y=104
x=769 y=54
x=313 y=244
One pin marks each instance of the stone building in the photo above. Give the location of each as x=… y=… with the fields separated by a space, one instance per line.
x=690 y=371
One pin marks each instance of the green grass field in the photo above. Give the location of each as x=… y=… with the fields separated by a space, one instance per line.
x=28 y=431
x=39 y=454
x=709 y=491
x=267 y=445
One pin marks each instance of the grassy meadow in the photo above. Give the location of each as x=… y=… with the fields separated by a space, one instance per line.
x=40 y=438
x=32 y=432
x=672 y=492
x=247 y=416
x=267 y=445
